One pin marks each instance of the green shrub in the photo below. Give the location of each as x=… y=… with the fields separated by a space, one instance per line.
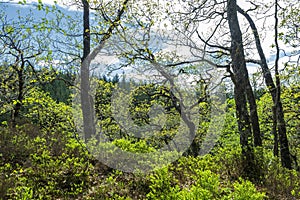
x=49 y=115
x=133 y=146
x=281 y=182
x=163 y=185
x=206 y=187
x=244 y=190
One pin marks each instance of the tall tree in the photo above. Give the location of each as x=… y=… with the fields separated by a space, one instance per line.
x=86 y=99
x=283 y=140
x=210 y=45
x=240 y=80
x=88 y=55
x=274 y=89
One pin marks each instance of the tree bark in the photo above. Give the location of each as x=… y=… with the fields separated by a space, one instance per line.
x=275 y=133
x=18 y=105
x=283 y=140
x=87 y=103
x=86 y=100
x=279 y=124
x=21 y=85
x=253 y=114
x=240 y=79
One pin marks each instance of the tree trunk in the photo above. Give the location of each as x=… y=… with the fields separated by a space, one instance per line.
x=86 y=99
x=283 y=140
x=274 y=131
x=21 y=83
x=253 y=115
x=240 y=80
x=18 y=105
x=279 y=124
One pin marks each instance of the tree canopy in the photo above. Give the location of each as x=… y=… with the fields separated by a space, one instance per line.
x=110 y=99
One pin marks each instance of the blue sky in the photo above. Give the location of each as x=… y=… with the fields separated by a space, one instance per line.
x=11 y=11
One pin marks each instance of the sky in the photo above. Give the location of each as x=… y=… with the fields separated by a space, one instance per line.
x=267 y=41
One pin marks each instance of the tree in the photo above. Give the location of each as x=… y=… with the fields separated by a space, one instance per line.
x=86 y=100
x=283 y=140
x=79 y=49
x=25 y=50
x=279 y=124
x=223 y=44
x=241 y=82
